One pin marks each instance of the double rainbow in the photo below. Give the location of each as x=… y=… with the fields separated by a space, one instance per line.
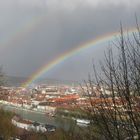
x=58 y=60
x=27 y=26
x=31 y=24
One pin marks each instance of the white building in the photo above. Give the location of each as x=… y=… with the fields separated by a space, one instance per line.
x=28 y=125
x=46 y=108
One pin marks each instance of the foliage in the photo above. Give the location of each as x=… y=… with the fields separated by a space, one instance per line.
x=7 y=130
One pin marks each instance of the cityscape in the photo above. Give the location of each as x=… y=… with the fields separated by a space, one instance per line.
x=69 y=102
x=69 y=70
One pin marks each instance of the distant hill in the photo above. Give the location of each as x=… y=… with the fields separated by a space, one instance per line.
x=56 y=81
x=14 y=81
x=17 y=81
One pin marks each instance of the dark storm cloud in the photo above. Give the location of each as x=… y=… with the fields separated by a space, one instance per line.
x=66 y=24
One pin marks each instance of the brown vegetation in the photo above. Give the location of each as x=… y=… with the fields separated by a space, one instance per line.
x=118 y=117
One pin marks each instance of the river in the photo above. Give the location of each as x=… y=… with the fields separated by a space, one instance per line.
x=39 y=117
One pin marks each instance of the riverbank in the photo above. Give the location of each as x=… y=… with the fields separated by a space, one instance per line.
x=59 y=121
x=40 y=117
x=22 y=108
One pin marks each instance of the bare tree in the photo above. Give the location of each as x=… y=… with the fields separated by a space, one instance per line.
x=2 y=78
x=115 y=103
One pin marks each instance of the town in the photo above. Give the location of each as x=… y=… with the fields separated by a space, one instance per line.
x=63 y=100
x=47 y=99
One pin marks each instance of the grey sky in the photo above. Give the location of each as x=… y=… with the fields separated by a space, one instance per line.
x=66 y=24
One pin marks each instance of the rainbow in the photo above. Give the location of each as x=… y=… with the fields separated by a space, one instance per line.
x=89 y=44
x=24 y=28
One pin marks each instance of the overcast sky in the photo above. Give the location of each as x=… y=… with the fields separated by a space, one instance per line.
x=34 y=32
